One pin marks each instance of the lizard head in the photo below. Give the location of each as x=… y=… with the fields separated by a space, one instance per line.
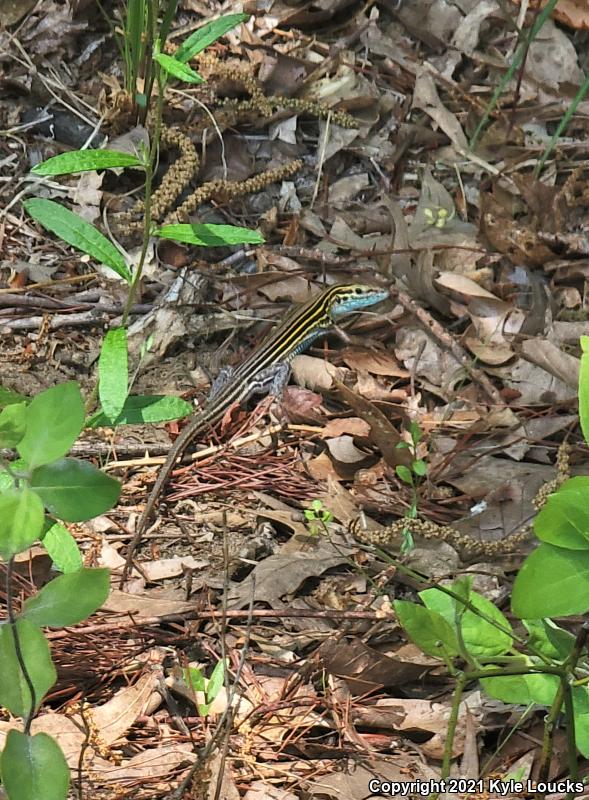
x=346 y=298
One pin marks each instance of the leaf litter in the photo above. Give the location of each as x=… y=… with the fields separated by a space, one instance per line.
x=480 y=350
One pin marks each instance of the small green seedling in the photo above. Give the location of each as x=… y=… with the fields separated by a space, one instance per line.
x=318 y=518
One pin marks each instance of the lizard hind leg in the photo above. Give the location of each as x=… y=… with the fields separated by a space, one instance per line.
x=224 y=377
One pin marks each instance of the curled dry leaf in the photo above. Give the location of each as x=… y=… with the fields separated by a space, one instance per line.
x=314 y=373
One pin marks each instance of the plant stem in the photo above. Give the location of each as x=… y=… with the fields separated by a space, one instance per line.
x=150 y=166
x=17 y=646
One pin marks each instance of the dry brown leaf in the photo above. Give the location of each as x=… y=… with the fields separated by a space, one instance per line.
x=151 y=763
x=555 y=361
x=461 y=287
x=143 y=605
x=321 y=468
x=375 y=361
x=426 y=97
x=169 y=567
x=282 y=573
x=552 y=59
x=382 y=432
x=406 y=714
x=354 y=426
x=366 y=669
x=312 y=373
x=342 y=191
x=344 y=451
x=260 y=790
x=115 y=717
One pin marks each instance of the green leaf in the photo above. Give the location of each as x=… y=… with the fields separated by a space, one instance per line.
x=481 y=638
x=113 y=369
x=84 y=161
x=21 y=520
x=14 y=690
x=209 y=235
x=552 y=582
x=415 y=430
x=584 y=388
x=523 y=689
x=54 y=420
x=405 y=474
x=12 y=424
x=68 y=599
x=62 y=549
x=564 y=519
x=194 y=679
x=216 y=681
x=75 y=490
x=178 y=69
x=581 y=716
x=419 y=468
x=76 y=231
x=208 y=34
x=547 y=638
x=145 y=409
x=33 y=767
x=428 y=630
x=8 y=397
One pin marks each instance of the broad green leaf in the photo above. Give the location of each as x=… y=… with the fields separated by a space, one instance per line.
x=75 y=490
x=194 y=679
x=178 y=69
x=481 y=638
x=76 y=231
x=552 y=582
x=523 y=689
x=14 y=691
x=54 y=420
x=428 y=630
x=584 y=388
x=564 y=519
x=85 y=160
x=12 y=424
x=6 y=479
x=113 y=370
x=8 y=397
x=208 y=34
x=581 y=715
x=404 y=473
x=33 y=767
x=68 y=599
x=547 y=638
x=21 y=520
x=209 y=235
x=62 y=549
x=145 y=409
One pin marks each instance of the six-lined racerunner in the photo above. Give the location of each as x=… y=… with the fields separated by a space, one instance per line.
x=266 y=369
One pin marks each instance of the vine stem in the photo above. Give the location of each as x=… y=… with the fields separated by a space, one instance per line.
x=17 y=645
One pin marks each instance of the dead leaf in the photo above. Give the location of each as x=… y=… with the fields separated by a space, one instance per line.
x=143 y=605
x=313 y=373
x=366 y=669
x=426 y=97
x=282 y=573
x=382 y=433
x=375 y=361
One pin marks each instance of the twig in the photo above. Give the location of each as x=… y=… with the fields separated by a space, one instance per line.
x=443 y=338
